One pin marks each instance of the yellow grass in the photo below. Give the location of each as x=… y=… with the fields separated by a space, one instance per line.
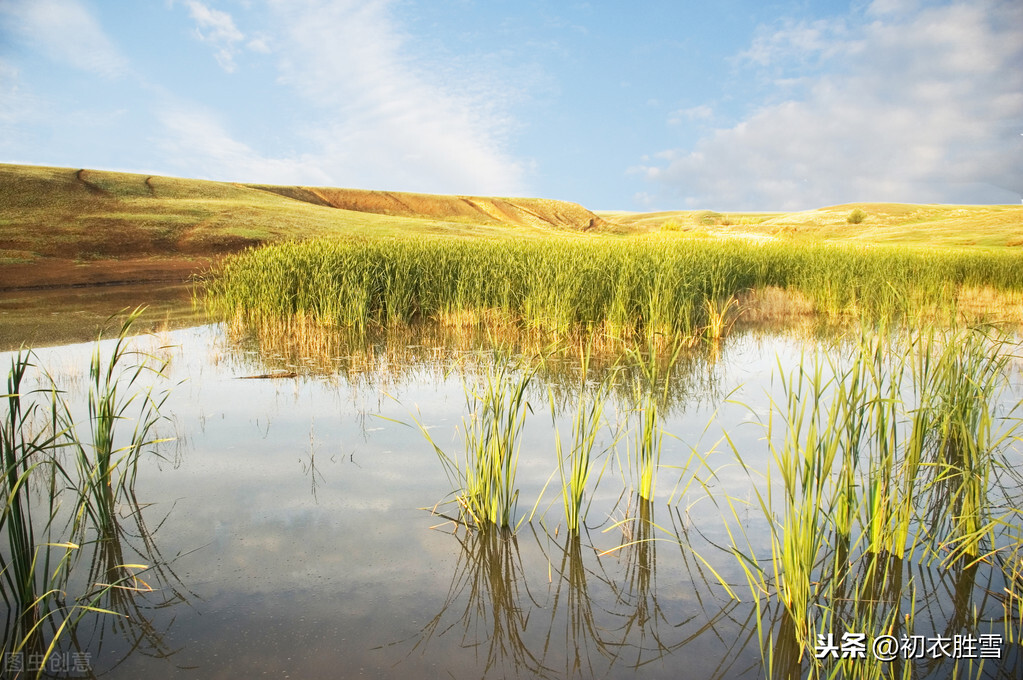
x=944 y=225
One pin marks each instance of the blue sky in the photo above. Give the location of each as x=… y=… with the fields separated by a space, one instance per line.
x=727 y=105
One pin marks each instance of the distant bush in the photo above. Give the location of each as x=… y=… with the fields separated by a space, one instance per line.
x=856 y=216
x=673 y=225
x=708 y=218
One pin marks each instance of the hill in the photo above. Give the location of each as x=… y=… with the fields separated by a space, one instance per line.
x=62 y=226
x=992 y=226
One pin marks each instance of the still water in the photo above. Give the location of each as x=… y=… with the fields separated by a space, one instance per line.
x=299 y=526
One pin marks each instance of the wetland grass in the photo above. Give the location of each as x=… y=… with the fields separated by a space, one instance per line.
x=44 y=543
x=118 y=394
x=26 y=453
x=483 y=477
x=881 y=463
x=651 y=384
x=885 y=458
x=626 y=287
x=576 y=464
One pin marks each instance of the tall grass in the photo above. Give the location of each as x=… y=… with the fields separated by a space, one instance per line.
x=119 y=394
x=575 y=465
x=667 y=284
x=891 y=456
x=483 y=477
x=26 y=452
x=651 y=384
x=44 y=542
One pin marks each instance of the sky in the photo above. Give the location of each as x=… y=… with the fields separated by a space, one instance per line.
x=726 y=105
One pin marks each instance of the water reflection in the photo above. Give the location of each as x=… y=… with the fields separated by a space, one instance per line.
x=81 y=570
x=318 y=558
x=399 y=356
x=532 y=604
x=937 y=614
x=142 y=582
x=586 y=654
x=490 y=601
x=640 y=635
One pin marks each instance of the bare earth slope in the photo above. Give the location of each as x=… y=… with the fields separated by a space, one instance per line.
x=63 y=226
x=524 y=212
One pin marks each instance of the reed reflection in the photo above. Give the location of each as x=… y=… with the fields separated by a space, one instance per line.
x=138 y=587
x=535 y=604
x=489 y=604
x=406 y=354
x=68 y=493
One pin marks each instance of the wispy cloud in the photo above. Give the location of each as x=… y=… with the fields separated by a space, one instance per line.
x=372 y=114
x=66 y=32
x=197 y=144
x=16 y=106
x=693 y=113
x=217 y=28
x=382 y=120
x=900 y=104
x=365 y=104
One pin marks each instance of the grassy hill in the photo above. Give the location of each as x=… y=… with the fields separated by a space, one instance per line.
x=939 y=225
x=63 y=226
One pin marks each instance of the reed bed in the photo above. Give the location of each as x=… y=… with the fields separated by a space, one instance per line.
x=891 y=458
x=667 y=284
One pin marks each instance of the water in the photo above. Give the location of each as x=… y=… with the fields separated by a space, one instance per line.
x=298 y=528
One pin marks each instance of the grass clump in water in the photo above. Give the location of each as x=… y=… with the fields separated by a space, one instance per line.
x=42 y=543
x=888 y=460
x=651 y=383
x=484 y=476
x=576 y=465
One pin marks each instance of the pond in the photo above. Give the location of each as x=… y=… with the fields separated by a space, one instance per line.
x=300 y=524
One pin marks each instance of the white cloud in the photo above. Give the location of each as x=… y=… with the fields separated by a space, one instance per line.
x=701 y=112
x=65 y=31
x=259 y=44
x=907 y=105
x=796 y=41
x=371 y=114
x=383 y=120
x=218 y=29
x=197 y=144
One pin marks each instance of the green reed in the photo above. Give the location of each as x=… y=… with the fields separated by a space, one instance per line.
x=118 y=395
x=484 y=476
x=888 y=456
x=651 y=384
x=666 y=284
x=576 y=465
x=963 y=440
x=37 y=428
x=26 y=451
